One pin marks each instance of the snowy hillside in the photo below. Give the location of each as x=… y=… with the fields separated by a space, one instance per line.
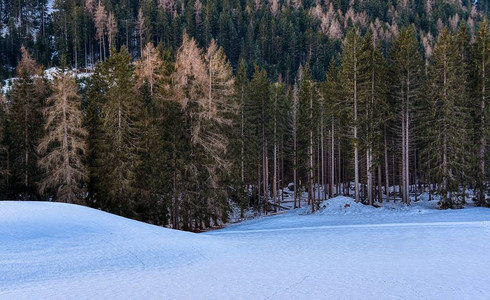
x=346 y=250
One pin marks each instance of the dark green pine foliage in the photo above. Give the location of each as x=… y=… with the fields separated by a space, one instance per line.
x=25 y=128
x=307 y=130
x=152 y=183
x=351 y=83
x=96 y=98
x=172 y=141
x=480 y=92
x=255 y=115
x=277 y=128
x=334 y=124
x=4 y=150
x=121 y=129
x=448 y=119
x=373 y=107
x=405 y=90
x=241 y=171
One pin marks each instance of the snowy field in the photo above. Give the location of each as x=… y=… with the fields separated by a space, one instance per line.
x=60 y=251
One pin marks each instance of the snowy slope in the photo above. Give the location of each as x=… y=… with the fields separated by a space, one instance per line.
x=61 y=251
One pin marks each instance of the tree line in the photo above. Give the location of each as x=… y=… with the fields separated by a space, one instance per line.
x=174 y=138
x=277 y=35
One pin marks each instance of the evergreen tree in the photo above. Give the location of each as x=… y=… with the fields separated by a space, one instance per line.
x=24 y=126
x=4 y=151
x=372 y=91
x=480 y=92
x=406 y=72
x=96 y=98
x=332 y=93
x=350 y=78
x=63 y=145
x=256 y=118
x=118 y=156
x=307 y=130
x=278 y=112
x=447 y=119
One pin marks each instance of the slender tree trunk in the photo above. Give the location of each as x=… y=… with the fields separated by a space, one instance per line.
x=242 y=126
x=402 y=183
x=26 y=145
x=356 y=150
x=444 y=142
x=258 y=184
x=295 y=158
x=332 y=160
x=65 y=145
x=380 y=188
x=339 y=168
x=322 y=156
x=274 y=181
x=407 y=146
x=369 y=177
x=311 y=195
x=387 y=181
x=483 y=142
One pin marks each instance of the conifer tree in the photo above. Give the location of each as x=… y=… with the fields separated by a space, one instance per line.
x=278 y=112
x=118 y=156
x=308 y=117
x=481 y=93
x=241 y=87
x=63 y=145
x=256 y=116
x=332 y=94
x=96 y=98
x=204 y=87
x=350 y=77
x=372 y=91
x=406 y=64
x=24 y=126
x=4 y=150
x=447 y=119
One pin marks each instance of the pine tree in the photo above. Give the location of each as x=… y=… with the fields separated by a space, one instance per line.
x=241 y=87
x=96 y=98
x=118 y=155
x=481 y=92
x=63 y=145
x=447 y=119
x=406 y=64
x=372 y=91
x=350 y=78
x=256 y=118
x=4 y=150
x=332 y=94
x=308 y=120
x=24 y=126
x=278 y=112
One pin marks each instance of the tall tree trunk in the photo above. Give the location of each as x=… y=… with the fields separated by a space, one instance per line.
x=356 y=150
x=380 y=188
x=369 y=177
x=387 y=181
x=481 y=152
x=332 y=160
x=311 y=195
x=242 y=126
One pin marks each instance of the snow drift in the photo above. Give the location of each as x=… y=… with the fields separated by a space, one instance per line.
x=62 y=251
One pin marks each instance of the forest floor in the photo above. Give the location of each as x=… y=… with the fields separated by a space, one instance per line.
x=344 y=251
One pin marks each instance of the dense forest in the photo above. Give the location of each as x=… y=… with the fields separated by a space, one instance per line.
x=168 y=111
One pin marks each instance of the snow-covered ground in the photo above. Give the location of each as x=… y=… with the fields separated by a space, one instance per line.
x=344 y=251
x=49 y=74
